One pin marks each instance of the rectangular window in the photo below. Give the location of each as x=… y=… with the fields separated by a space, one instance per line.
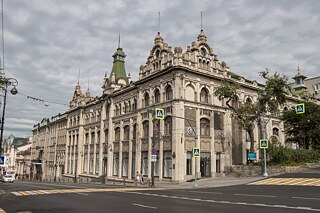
x=189 y=163
x=97 y=162
x=144 y=165
x=218 y=121
x=125 y=162
x=85 y=163
x=115 y=164
x=218 y=162
x=317 y=87
x=91 y=163
x=133 y=166
x=167 y=164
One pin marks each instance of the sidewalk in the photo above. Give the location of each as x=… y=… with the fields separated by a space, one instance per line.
x=210 y=182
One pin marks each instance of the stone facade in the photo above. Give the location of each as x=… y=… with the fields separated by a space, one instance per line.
x=113 y=135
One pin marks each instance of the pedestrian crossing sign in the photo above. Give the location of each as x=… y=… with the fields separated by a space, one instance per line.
x=264 y=144
x=196 y=152
x=300 y=109
x=1 y=160
x=160 y=113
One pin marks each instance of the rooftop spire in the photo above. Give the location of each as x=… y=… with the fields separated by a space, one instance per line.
x=159 y=22
x=119 y=40
x=201 y=21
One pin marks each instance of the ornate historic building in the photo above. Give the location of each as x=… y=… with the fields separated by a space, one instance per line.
x=112 y=135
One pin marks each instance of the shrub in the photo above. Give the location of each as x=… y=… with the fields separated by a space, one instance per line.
x=280 y=155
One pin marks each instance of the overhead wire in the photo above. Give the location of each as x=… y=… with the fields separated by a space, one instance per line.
x=41 y=100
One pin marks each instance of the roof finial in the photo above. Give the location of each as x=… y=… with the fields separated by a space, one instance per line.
x=201 y=22
x=88 y=84
x=119 y=40
x=159 y=22
x=298 y=69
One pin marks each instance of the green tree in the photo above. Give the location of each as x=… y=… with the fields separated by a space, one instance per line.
x=270 y=97
x=303 y=129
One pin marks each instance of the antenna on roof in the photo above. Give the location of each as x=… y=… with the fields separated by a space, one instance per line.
x=201 y=21
x=159 y=22
x=119 y=40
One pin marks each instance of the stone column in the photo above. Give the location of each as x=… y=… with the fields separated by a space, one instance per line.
x=130 y=149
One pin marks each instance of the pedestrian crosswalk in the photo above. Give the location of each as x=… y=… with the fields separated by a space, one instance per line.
x=288 y=182
x=83 y=190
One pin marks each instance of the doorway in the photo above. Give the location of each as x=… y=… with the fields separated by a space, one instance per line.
x=205 y=165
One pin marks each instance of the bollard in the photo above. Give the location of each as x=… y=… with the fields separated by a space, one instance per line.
x=124 y=182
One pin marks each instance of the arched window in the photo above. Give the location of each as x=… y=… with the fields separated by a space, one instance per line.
x=168 y=126
x=235 y=103
x=248 y=100
x=117 y=134
x=275 y=131
x=203 y=51
x=126 y=132
x=204 y=95
x=156 y=128
x=204 y=127
x=157 y=96
x=145 y=129
x=158 y=53
x=146 y=99
x=169 y=94
x=134 y=106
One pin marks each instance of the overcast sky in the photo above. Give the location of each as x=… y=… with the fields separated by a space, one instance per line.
x=48 y=41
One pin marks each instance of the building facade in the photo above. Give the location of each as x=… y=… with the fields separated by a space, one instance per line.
x=113 y=135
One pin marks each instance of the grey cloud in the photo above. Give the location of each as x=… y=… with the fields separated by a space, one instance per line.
x=46 y=42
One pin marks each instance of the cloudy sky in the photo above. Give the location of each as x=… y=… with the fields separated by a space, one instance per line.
x=48 y=41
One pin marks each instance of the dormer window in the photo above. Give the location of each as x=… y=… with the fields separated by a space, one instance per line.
x=157 y=53
x=203 y=51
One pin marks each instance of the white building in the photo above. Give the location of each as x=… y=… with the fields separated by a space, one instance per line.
x=113 y=135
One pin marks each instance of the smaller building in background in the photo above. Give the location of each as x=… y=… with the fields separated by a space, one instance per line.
x=306 y=88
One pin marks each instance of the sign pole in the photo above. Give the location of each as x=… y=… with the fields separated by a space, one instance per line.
x=265 y=174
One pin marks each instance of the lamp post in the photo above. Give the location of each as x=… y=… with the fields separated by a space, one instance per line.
x=4 y=83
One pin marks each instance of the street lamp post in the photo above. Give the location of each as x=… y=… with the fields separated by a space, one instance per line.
x=4 y=83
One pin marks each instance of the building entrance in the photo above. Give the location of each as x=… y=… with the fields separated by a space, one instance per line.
x=205 y=165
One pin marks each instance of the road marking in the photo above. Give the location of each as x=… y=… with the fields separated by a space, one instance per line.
x=306 y=198
x=16 y=193
x=81 y=190
x=236 y=203
x=252 y=195
x=217 y=193
x=82 y=194
x=289 y=182
x=143 y=206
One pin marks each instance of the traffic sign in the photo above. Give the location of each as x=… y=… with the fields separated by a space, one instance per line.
x=264 y=143
x=153 y=158
x=300 y=109
x=190 y=130
x=1 y=160
x=160 y=113
x=196 y=152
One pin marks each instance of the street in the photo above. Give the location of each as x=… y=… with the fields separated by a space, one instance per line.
x=58 y=197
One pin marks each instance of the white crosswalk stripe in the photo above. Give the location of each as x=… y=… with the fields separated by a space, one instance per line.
x=288 y=182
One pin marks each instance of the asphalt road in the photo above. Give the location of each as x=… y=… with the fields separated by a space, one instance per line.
x=240 y=199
